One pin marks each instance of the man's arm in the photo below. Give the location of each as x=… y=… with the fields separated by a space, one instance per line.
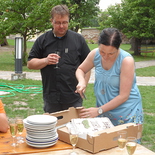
x=36 y=63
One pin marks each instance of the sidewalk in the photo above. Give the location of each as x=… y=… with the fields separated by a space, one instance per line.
x=144 y=81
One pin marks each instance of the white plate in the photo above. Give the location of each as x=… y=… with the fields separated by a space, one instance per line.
x=38 y=136
x=41 y=146
x=41 y=143
x=38 y=127
x=28 y=137
x=41 y=119
x=41 y=128
x=41 y=133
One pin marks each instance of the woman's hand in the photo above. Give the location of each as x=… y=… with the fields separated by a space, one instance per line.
x=88 y=113
x=80 y=88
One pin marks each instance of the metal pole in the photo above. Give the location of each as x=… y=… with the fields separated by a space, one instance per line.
x=18 y=54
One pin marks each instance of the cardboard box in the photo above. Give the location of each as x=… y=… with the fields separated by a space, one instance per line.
x=102 y=140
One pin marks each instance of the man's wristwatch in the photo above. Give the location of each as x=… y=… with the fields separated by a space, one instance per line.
x=100 y=110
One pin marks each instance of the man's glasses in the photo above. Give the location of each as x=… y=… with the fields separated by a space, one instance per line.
x=64 y=23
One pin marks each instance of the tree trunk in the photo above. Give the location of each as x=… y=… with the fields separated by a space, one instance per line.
x=76 y=28
x=24 y=51
x=132 y=43
x=135 y=45
x=3 y=42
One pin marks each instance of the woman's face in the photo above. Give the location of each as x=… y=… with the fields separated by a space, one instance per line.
x=108 y=52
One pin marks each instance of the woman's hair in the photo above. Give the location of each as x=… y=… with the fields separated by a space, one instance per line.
x=60 y=10
x=110 y=37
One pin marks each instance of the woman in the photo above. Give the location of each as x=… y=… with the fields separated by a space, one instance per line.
x=3 y=119
x=116 y=91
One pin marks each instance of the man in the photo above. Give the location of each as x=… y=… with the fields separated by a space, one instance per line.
x=3 y=119
x=58 y=71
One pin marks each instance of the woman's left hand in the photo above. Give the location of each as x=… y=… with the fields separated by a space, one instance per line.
x=88 y=113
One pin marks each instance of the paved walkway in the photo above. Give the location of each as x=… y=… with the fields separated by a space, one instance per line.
x=145 y=81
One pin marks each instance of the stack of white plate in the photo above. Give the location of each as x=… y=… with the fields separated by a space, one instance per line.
x=41 y=130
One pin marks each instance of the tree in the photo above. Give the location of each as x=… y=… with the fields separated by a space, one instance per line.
x=3 y=40
x=82 y=12
x=134 y=18
x=29 y=17
x=26 y=18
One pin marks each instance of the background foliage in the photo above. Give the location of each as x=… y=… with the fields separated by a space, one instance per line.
x=135 y=19
x=31 y=17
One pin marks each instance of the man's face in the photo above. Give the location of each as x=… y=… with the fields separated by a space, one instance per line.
x=60 y=25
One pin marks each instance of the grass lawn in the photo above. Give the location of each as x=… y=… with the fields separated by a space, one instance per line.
x=7 y=58
x=27 y=94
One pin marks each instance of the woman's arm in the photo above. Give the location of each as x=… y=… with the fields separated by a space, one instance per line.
x=83 y=72
x=3 y=123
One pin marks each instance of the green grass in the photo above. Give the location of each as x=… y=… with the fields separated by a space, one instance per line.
x=22 y=91
x=11 y=43
x=8 y=62
x=7 y=58
x=92 y=46
x=147 y=71
x=22 y=103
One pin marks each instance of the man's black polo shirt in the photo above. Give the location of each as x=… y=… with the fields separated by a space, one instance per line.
x=59 y=85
